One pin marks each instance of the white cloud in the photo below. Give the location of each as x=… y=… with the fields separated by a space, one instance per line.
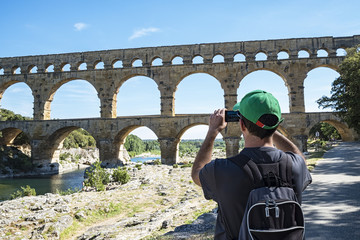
x=143 y=32
x=80 y=26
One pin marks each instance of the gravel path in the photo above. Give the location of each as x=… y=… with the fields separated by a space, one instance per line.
x=332 y=202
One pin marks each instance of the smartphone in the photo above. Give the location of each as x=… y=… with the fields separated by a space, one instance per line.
x=232 y=116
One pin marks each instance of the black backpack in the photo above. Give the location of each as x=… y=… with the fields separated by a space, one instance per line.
x=272 y=210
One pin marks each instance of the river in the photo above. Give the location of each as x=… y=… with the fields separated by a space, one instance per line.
x=45 y=184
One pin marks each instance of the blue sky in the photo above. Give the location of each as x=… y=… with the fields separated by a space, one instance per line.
x=49 y=27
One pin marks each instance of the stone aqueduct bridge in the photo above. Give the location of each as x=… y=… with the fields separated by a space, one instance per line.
x=110 y=131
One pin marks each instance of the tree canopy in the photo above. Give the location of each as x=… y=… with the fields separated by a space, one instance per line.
x=8 y=115
x=345 y=90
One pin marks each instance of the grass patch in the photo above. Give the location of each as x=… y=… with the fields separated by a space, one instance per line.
x=313 y=158
x=197 y=214
x=102 y=214
x=317 y=153
x=92 y=217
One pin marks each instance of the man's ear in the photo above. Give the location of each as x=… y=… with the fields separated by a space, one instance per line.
x=242 y=125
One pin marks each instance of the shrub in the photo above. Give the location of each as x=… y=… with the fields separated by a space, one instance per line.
x=64 y=156
x=25 y=191
x=138 y=166
x=97 y=177
x=186 y=165
x=157 y=161
x=121 y=175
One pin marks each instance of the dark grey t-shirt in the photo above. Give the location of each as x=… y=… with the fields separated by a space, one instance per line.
x=232 y=188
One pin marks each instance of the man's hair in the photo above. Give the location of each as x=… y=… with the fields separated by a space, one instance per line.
x=267 y=119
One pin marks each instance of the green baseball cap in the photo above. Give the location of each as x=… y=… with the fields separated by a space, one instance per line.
x=257 y=103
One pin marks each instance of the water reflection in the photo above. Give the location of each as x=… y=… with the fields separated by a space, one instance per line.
x=50 y=184
x=43 y=184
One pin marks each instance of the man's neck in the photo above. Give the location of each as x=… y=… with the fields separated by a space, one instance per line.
x=253 y=141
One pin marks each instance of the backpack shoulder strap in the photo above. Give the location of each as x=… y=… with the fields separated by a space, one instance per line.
x=250 y=168
x=256 y=177
x=285 y=171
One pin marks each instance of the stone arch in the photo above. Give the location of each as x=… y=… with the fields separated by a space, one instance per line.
x=56 y=87
x=137 y=62
x=265 y=84
x=177 y=60
x=8 y=135
x=196 y=85
x=187 y=74
x=261 y=56
x=218 y=58
x=32 y=69
x=117 y=63
x=65 y=67
x=303 y=51
x=327 y=65
x=341 y=52
x=182 y=131
x=322 y=52
x=281 y=75
x=188 y=127
x=156 y=61
x=344 y=131
x=197 y=59
x=119 y=141
x=52 y=145
x=98 y=64
x=49 y=67
x=16 y=70
x=82 y=66
x=315 y=87
x=134 y=86
x=283 y=54
x=10 y=83
x=239 y=57
x=1 y=70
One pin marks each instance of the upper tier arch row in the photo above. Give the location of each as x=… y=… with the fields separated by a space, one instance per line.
x=150 y=56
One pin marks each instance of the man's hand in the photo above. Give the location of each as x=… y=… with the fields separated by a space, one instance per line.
x=217 y=121
x=216 y=125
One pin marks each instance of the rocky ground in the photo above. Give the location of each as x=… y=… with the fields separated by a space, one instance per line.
x=160 y=202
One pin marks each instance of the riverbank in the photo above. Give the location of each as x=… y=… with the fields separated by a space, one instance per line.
x=156 y=200
x=69 y=160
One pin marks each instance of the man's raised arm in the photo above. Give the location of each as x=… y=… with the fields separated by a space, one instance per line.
x=216 y=125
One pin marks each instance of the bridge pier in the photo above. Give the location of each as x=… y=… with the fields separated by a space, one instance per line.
x=301 y=142
x=111 y=155
x=42 y=158
x=232 y=145
x=169 y=150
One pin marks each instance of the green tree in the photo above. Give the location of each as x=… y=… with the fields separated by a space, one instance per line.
x=79 y=138
x=325 y=130
x=134 y=144
x=7 y=115
x=345 y=91
x=97 y=177
x=121 y=175
x=151 y=145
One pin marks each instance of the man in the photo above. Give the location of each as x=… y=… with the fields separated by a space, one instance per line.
x=260 y=116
